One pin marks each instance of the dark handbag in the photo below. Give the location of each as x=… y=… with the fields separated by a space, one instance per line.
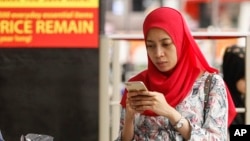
x=1 y=137
x=36 y=137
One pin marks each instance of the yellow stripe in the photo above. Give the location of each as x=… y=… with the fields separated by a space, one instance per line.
x=49 y=3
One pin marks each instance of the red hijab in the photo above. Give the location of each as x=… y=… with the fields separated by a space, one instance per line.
x=177 y=83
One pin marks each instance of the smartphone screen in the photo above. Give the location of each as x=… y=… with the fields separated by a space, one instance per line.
x=135 y=86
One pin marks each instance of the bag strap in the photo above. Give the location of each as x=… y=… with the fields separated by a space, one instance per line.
x=207 y=88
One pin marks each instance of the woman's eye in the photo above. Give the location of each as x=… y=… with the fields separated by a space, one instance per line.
x=149 y=46
x=167 y=44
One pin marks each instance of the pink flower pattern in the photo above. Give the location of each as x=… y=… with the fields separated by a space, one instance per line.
x=214 y=128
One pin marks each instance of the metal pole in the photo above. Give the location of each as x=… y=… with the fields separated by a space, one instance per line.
x=215 y=13
x=247 y=96
x=102 y=13
x=104 y=112
x=126 y=15
x=116 y=95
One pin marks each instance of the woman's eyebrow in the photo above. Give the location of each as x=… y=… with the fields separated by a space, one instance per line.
x=163 y=39
x=149 y=41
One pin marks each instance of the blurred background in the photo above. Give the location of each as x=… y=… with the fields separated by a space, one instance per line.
x=72 y=91
x=126 y=17
x=227 y=23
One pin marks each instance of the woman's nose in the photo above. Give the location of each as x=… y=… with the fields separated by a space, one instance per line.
x=159 y=52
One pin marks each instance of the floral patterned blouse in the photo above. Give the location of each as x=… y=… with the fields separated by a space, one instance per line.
x=214 y=128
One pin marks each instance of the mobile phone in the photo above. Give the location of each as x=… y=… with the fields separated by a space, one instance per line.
x=135 y=86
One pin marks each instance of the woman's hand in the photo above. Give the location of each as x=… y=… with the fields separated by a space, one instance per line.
x=148 y=100
x=130 y=111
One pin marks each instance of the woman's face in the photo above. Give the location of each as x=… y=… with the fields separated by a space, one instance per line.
x=161 y=50
x=241 y=86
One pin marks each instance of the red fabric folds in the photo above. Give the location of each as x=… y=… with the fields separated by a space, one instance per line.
x=175 y=84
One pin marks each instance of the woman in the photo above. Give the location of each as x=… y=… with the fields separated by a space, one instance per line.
x=233 y=69
x=172 y=108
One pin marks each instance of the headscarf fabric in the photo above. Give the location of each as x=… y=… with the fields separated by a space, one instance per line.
x=177 y=83
x=233 y=69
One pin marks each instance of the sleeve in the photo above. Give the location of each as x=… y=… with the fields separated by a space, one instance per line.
x=215 y=126
x=122 y=118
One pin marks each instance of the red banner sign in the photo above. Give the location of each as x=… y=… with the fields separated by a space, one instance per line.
x=64 y=27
